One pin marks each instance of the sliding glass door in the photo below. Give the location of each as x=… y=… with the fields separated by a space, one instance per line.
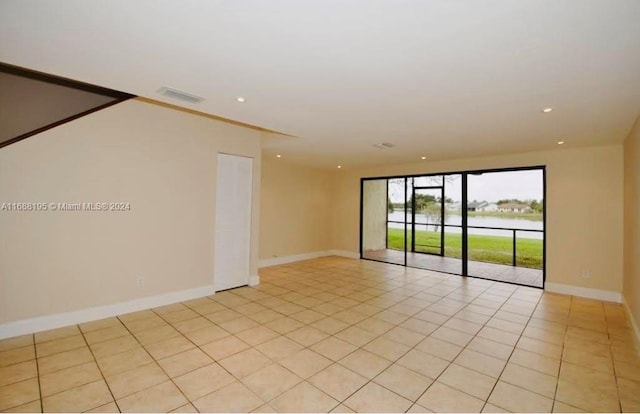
x=506 y=226
x=487 y=224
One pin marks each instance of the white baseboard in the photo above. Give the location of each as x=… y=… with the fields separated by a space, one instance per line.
x=254 y=280
x=634 y=324
x=44 y=323
x=606 y=295
x=275 y=261
x=344 y=253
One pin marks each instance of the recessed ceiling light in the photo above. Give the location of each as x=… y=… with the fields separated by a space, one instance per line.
x=278 y=156
x=339 y=166
x=547 y=110
x=560 y=142
x=240 y=99
x=423 y=157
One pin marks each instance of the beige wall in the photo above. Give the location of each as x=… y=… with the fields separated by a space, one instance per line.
x=294 y=209
x=161 y=161
x=584 y=208
x=632 y=222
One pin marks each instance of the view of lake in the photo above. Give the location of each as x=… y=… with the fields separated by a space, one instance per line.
x=486 y=221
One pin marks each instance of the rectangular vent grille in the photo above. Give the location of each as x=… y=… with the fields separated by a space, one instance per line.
x=384 y=145
x=176 y=94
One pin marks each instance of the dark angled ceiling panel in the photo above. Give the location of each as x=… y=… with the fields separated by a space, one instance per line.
x=32 y=102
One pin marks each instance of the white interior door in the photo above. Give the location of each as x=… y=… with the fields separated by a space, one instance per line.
x=233 y=222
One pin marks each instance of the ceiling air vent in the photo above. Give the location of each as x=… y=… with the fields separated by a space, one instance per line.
x=384 y=145
x=176 y=94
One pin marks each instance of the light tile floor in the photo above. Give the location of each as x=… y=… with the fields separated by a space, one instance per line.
x=493 y=271
x=337 y=335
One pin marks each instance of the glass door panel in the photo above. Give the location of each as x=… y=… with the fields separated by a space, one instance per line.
x=505 y=225
x=437 y=244
x=383 y=224
x=427 y=231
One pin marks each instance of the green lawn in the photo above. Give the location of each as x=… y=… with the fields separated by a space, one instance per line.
x=492 y=249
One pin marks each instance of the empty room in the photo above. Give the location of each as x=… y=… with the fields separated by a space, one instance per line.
x=320 y=206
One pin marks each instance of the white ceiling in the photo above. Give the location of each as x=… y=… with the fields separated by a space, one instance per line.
x=444 y=79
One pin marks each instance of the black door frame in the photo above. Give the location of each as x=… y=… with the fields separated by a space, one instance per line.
x=413 y=216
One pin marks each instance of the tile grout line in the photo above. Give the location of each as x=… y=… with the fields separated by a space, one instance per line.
x=613 y=365
x=234 y=335
x=95 y=360
x=463 y=347
x=199 y=348
x=564 y=337
x=308 y=347
x=442 y=324
x=485 y=325
x=450 y=317
x=333 y=335
x=381 y=335
x=156 y=361
x=410 y=348
x=196 y=347
x=35 y=352
x=230 y=334
x=36 y=359
x=511 y=354
x=304 y=347
x=393 y=302
x=562 y=361
x=61 y=369
x=180 y=334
